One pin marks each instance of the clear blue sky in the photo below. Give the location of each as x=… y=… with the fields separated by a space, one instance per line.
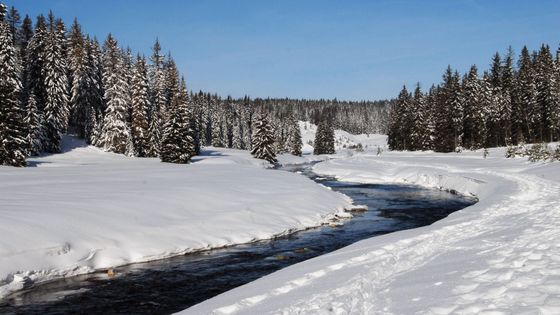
x=315 y=48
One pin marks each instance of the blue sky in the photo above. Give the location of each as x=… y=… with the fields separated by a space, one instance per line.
x=315 y=48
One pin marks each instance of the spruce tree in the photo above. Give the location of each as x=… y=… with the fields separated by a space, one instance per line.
x=263 y=140
x=79 y=87
x=294 y=137
x=140 y=106
x=473 y=111
x=13 y=146
x=14 y=20
x=26 y=32
x=445 y=125
x=55 y=87
x=547 y=94
x=34 y=121
x=398 y=133
x=177 y=143
x=525 y=108
x=324 y=137
x=237 y=141
x=216 y=123
x=91 y=92
x=157 y=99
x=115 y=132
x=34 y=73
x=418 y=127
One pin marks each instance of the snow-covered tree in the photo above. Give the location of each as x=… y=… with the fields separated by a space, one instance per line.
x=13 y=145
x=177 y=143
x=115 y=132
x=34 y=122
x=400 y=121
x=294 y=141
x=237 y=137
x=79 y=87
x=55 y=87
x=263 y=140
x=157 y=99
x=324 y=138
x=140 y=106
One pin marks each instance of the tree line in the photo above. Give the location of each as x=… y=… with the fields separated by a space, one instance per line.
x=507 y=105
x=56 y=81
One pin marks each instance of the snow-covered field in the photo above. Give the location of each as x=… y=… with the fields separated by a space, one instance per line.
x=499 y=256
x=86 y=209
x=343 y=139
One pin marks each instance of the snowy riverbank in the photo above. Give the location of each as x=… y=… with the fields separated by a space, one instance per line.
x=86 y=210
x=499 y=256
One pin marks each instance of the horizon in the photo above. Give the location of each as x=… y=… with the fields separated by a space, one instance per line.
x=286 y=50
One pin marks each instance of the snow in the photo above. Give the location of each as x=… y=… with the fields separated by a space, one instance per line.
x=343 y=139
x=86 y=210
x=498 y=256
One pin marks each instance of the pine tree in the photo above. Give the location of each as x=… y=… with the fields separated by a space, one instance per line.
x=78 y=80
x=495 y=76
x=547 y=94
x=263 y=140
x=446 y=133
x=34 y=121
x=237 y=141
x=13 y=146
x=157 y=99
x=508 y=86
x=115 y=132
x=294 y=141
x=527 y=114
x=55 y=88
x=14 y=19
x=473 y=111
x=91 y=91
x=216 y=124
x=26 y=32
x=34 y=73
x=140 y=106
x=419 y=135
x=324 y=137
x=400 y=122
x=177 y=143
x=90 y=127
x=197 y=124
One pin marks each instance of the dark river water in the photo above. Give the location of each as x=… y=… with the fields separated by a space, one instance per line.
x=171 y=285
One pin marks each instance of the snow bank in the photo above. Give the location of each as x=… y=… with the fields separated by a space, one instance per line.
x=499 y=256
x=85 y=210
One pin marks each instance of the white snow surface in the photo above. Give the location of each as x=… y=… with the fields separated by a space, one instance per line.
x=86 y=210
x=342 y=138
x=498 y=256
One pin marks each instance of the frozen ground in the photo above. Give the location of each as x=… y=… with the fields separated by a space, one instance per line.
x=85 y=209
x=499 y=256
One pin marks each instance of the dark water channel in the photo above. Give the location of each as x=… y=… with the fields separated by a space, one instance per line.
x=170 y=285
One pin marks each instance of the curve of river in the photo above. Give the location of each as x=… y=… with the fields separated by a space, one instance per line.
x=171 y=285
